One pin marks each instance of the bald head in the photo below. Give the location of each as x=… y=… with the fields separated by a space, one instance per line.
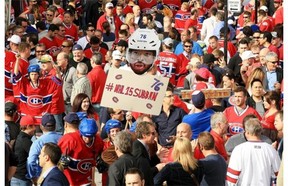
x=262 y=54
x=136 y=10
x=62 y=59
x=184 y=130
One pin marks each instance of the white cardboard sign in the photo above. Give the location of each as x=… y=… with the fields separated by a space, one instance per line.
x=234 y=6
x=129 y=91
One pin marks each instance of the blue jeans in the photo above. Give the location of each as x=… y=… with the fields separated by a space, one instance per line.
x=68 y=108
x=59 y=123
x=18 y=182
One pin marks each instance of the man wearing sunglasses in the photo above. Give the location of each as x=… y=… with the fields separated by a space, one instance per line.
x=84 y=41
x=273 y=74
x=113 y=20
x=265 y=40
x=50 y=14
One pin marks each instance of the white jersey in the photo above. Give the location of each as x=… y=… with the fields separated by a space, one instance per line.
x=253 y=163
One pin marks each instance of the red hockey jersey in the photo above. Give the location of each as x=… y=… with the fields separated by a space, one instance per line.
x=79 y=171
x=168 y=65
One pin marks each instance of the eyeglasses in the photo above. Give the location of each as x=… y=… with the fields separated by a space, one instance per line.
x=40 y=51
x=92 y=30
x=188 y=46
x=64 y=46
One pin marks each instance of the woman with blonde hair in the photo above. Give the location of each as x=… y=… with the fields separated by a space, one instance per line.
x=257 y=73
x=184 y=170
x=129 y=20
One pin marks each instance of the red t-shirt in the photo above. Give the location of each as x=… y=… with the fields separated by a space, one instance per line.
x=88 y=53
x=97 y=78
x=191 y=23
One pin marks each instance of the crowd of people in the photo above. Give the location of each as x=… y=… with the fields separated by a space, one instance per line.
x=58 y=56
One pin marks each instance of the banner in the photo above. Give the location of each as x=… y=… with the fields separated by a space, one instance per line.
x=209 y=93
x=129 y=91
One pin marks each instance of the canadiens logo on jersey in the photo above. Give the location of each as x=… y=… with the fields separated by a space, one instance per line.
x=53 y=49
x=82 y=166
x=36 y=101
x=182 y=17
x=235 y=128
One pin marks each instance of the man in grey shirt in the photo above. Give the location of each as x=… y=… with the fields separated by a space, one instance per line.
x=82 y=84
x=69 y=77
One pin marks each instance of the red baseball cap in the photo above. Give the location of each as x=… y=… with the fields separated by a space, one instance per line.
x=27 y=120
x=203 y=72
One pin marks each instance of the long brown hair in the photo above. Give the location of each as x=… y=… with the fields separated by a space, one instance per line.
x=76 y=107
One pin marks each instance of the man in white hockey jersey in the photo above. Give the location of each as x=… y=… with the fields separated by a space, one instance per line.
x=254 y=162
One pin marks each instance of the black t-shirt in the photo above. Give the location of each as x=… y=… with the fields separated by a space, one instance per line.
x=84 y=60
x=14 y=129
x=21 y=149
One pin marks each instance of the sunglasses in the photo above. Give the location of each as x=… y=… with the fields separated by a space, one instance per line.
x=188 y=46
x=50 y=15
x=92 y=30
x=245 y=16
x=274 y=62
x=40 y=51
x=64 y=46
x=169 y=96
x=256 y=37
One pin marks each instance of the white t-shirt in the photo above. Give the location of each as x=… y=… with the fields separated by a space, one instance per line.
x=253 y=163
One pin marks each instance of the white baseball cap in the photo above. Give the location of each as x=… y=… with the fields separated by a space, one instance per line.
x=264 y=8
x=168 y=42
x=247 y=55
x=109 y=5
x=116 y=55
x=15 y=39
